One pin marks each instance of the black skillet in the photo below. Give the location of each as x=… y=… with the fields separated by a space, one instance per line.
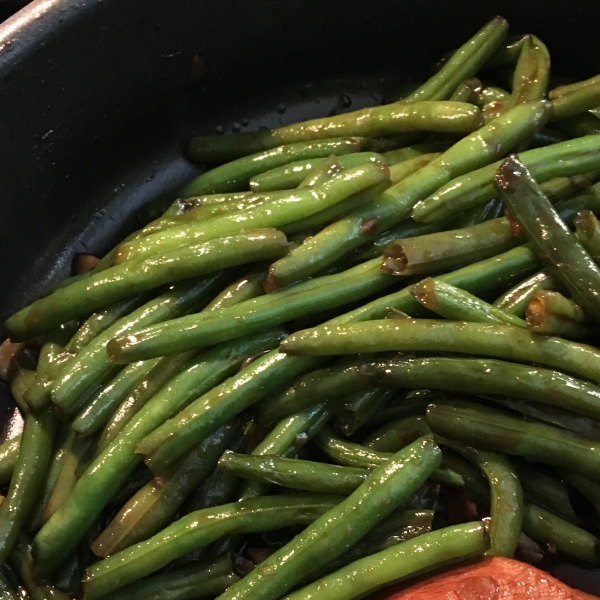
x=96 y=99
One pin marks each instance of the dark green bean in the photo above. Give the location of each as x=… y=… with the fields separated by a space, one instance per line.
x=456 y=304
x=551 y=313
x=551 y=239
x=197 y=530
x=407 y=404
x=580 y=125
x=587 y=231
x=515 y=300
x=360 y=406
x=397 y=434
x=491 y=429
x=586 y=487
x=133 y=277
x=9 y=452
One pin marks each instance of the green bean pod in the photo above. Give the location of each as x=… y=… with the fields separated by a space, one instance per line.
x=587 y=231
x=586 y=487
x=111 y=468
x=359 y=407
x=408 y=404
x=551 y=313
x=247 y=287
x=515 y=300
x=532 y=72
x=491 y=429
x=403 y=562
x=448 y=249
x=197 y=530
x=123 y=281
x=9 y=452
x=575 y=102
x=456 y=304
x=393 y=436
x=395 y=203
x=550 y=238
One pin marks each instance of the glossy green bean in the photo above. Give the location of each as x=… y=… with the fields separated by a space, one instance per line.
x=491 y=429
x=551 y=313
x=395 y=204
x=91 y=365
x=446 y=250
x=153 y=507
x=360 y=406
x=9 y=452
x=203 y=329
x=246 y=287
x=579 y=125
x=507 y=54
x=406 y=404
x=35 y=451
x=323 y=173
x=397 y=434
x=197 y=530
x=118 y=460
x=133 y=277
x=532 y=72
x=401 y=170
x=587 y=231
x=565 y=89
x=425 y=335
x=339 y=529
x=577 y=101
x=400 y=563
x=515 y=300
x=565 y=159
x=542 y=526
x=192 y=582
x=456 y=304
x=299 y=204
x=550 y=238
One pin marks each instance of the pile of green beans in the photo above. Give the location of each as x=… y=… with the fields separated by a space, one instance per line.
x=280 y=385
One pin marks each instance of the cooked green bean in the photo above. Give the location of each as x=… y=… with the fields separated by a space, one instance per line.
x=551 y=313
x=293 y=473
x=575 y=102
x=197 y=530
x=192 y=582
x=491 y=429
x=133 y=277
x=407 y=404
x=550 y=238
x=9 y=452
x=360 y=406
x=247 y=287
x=203 y=329
x=397 y=434
x=328 y=169
x=35 y=451
x=446 y=250
x=336 y=531
x=587 y=231
x=565 y=89
x=515 y=300
x=399 y=563
x=542 y=526
x=507 y=54
x=118 y=460
x=580 y=125
x=395 y=204
x=456 y=304
x=299 y=204
x=425 y=335
x=532 y=72
x=153 y=507
x=401 y=170
x=586 y=487
x=476 y=187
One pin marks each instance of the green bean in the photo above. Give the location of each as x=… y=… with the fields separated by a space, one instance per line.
x=486 y=376
x=378 y=121
x=492 y=210
x=192 y=582
x=565 y=89
x=52 y=355
x=532 y=72
x=507 y=54
x=587 y=231
x=92 y=364
x=100 y=321
x=328 y=169
x=565 y=159
x=587 y=200
x=360 y=407
x=314 y=387
x=197 y=330
x=401 y=170
x=466 y=91
x=557 y=246
x=397 y=434
x=197 y=530
x=299 y=204
x=247 y=287
x=491 y=429
x=424 y=335
x=100 y=408
x=409 y=404
x=290 y=434
x=546 y=490
x=562 y=188
x=153 y=507
x=128 y=279
x=551 y=313
x=339 y=529
x=575 y=102
x=475 y=482
x=542 y=526
x=73 y=461
x=587 y=488
x=163 y=372
x=580 y=125
x=464 y=62
x=399 y=563
x=21 y=379
x=9 y=452
x=30 y=469
x=456 y=304
x=118 y=460
x=293 y=473
x=506 y=497
x=292 y=174
x=447 y=249
x=515 y=300
x=553 y=415
x=395 y=203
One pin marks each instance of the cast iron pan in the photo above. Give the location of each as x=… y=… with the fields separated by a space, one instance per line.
x=96 y=100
